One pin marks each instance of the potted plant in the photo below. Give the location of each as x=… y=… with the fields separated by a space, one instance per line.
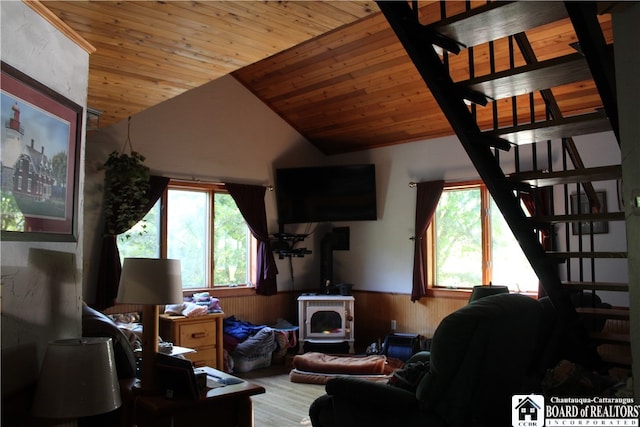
x=126 y=185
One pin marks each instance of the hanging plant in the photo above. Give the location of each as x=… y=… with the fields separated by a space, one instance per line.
x=126 y=185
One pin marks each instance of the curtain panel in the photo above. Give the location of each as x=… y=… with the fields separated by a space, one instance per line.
x=538 y=204
x=250 y=201
x=428 y=195
x=110 y=267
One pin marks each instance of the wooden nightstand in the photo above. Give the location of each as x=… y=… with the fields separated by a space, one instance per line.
x=201 y=333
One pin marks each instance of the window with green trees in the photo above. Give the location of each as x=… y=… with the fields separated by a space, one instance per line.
x=204 y=229
x=473 y=245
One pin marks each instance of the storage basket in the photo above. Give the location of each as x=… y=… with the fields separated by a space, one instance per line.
x=286 y=339
x=249 y=363
x=283 y=345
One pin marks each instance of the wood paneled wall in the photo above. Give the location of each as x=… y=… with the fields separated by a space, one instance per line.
x=257 y=309
x=261 y=310
x=373 y=312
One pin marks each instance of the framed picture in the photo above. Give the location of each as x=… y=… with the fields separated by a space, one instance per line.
x=41 y=134
x=580 y=205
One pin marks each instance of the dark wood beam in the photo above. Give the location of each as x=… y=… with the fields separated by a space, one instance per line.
x=594 y=46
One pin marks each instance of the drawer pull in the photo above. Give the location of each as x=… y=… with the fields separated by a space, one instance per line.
x=199 y=335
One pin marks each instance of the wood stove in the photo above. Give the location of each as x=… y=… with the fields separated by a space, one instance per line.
x=326 y=319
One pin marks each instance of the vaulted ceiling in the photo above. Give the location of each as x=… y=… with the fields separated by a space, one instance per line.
x=334 y=70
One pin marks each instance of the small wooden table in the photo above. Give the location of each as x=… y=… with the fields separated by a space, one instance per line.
x=201 y=333
x=229 y=405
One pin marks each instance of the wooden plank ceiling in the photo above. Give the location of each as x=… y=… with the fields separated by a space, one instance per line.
x=334 y=70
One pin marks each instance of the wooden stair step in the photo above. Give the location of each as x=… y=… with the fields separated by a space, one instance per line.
x=597 y=286
x=572 y=176
x=593 y=217
x=583 y=124
x=531 y=77
x=616 y=359
x=606 y=313
x=596 y=254
x=497 y=20
x=610 y=338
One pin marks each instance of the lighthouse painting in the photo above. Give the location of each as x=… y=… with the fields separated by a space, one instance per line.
x=38 y=156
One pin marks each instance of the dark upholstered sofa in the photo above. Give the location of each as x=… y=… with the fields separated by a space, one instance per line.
x=480 y=356
x=97 y=324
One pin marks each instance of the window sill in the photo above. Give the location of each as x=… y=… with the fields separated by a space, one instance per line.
x=463 y=293
x=223 y=291
x=449 y=293
x=233 y=291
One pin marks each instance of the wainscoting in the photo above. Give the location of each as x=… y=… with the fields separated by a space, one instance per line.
x=257 y=309
x=261 y=310
x=373 y=312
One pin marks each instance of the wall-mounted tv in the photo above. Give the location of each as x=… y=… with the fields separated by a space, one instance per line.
x=326 y=194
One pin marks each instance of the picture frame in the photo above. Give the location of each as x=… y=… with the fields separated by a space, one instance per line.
x=39 y=160
x=584 y=227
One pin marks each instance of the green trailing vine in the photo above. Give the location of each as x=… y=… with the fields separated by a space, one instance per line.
x=126 y=185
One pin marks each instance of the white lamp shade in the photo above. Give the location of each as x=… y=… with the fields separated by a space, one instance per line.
x=150 y=281
x=78 y=379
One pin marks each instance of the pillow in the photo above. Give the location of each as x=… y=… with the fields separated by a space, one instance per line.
x=125 y=317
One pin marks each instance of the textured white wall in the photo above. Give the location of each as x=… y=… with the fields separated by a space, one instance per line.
x=599 y=149
x=381 y=254
x=41 y=281
x=221 y=131
x=215 y=133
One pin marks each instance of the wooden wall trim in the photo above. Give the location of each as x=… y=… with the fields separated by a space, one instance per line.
x=65 y=29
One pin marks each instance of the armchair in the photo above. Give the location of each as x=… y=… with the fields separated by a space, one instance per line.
x=480 y=356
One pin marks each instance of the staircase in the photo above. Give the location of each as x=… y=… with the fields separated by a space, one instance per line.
x=522 y=145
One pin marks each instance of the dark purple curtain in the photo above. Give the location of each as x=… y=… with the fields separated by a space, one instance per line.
x=426 y=202
x=110 y=268
x=250 y=201
x=538 y=203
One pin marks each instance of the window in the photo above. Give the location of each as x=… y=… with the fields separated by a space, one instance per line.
x=473 y=245
x=203 y=228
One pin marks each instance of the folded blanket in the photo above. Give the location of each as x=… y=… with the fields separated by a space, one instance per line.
x=239 y=329
x=262 y=342
x=331 y=364
x=296 y=376
x=188 y=309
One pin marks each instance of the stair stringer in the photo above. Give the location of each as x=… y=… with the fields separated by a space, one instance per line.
x=405 y=24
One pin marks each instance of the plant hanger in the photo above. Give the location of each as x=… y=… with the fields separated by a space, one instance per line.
x=128 y=140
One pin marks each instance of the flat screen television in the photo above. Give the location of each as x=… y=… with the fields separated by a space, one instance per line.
x=326 y=194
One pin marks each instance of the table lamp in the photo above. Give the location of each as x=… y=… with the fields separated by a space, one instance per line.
x=150 y=282
x=78 y=379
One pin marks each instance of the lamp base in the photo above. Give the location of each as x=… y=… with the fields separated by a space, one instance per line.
x=150 y=331
x=108 y=419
